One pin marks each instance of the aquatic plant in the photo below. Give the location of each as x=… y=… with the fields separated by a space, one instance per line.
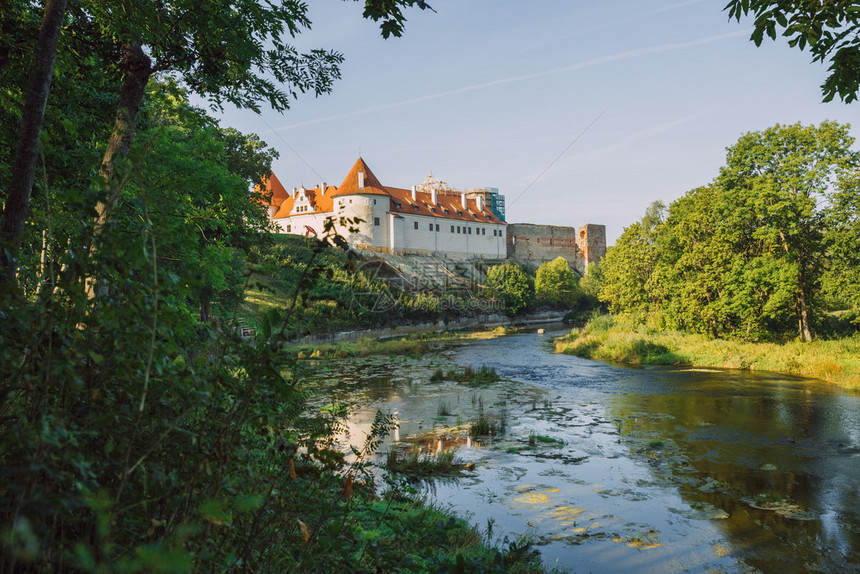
x=444 y=409
x=414 y=463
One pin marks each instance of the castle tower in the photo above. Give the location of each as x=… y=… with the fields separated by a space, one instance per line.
x=591 y=240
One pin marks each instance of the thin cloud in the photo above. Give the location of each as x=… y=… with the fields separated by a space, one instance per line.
x=641 y=135
x=628 y=55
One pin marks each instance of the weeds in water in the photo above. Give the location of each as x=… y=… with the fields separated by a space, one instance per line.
x=488 y=426
x=469 y=375
x=655 y=443
x=415 y=464
x=444 y=409
x=534 y=439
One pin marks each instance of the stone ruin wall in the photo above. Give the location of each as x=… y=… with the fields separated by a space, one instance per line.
x=531 y=243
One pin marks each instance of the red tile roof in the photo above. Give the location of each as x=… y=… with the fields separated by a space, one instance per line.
x=448 y=205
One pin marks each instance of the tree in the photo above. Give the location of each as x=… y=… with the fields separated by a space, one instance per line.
x=17 y=203
x=841 y=281
x=779 y=176
x=556 y=284
x=693 y=256
x=629 y=265
x=831 y=31
x=510 y=284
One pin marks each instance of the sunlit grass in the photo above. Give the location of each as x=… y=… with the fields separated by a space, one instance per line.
x=837 y=361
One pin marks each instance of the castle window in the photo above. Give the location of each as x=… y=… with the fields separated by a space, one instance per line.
x=458 y=229
x=431 y=227
x=374 y=202
x=470 y=231
x=376 y=221
x=289 y=228
x=415 y=207
x=437 y=227
x=483 y=231
x=416 y=224
x=452 y=229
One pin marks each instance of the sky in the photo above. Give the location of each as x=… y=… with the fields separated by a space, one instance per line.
x=578 y=111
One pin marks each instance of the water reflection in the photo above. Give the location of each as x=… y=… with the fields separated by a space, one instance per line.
x=642 y=469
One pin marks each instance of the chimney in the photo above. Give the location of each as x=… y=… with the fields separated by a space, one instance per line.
x=414 y=194
x=361 y=180
x=434 y=196
x=463 y=199
x=322 y=188
x=479 y=201
x=294 y=191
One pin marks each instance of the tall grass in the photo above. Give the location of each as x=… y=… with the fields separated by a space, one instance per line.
x=606 y=338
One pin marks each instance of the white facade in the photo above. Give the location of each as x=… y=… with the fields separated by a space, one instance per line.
x=433 y=221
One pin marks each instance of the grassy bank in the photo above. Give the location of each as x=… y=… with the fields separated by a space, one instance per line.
x=837 y=361
x=412 y=345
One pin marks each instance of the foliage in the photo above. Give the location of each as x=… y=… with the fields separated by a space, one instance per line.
x=831 y=31
x=510 y=284
x=629 y=265
x=841 y=282
x=556 y=284
x=760 y=252
x=416 y=464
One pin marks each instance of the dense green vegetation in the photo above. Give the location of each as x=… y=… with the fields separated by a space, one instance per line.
x=138 y=430
x=746 y=271
x=767 y=251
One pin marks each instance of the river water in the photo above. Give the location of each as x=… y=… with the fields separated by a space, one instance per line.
x=613 y=469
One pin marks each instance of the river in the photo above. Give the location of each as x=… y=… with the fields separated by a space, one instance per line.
x=614 y=469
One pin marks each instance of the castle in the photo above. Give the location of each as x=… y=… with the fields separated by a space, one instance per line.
x=429 y=219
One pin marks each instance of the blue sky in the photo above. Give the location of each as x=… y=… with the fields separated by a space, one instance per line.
x=578 y=111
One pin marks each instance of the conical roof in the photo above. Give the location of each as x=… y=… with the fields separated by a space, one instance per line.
x=350 y=183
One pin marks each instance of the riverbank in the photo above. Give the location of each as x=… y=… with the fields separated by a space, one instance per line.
x=412 y=345
x=836 y=362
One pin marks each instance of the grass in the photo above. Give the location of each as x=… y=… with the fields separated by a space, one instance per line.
x=444 y=409
x=538 y=438
x=469 y=375
x=411 y=345
x=835 y=361
x=423 y=538
x=414 y=463
x=487 y=425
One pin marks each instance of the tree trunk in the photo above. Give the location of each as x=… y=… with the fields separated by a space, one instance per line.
x=138 y=69
x=24 y=166
x=802 y=311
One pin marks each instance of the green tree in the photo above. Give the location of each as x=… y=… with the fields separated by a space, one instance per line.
x=557 y=284
x=629 y=266
x=693 y=256
x=17 y=202
x=831 y=31
x=841 y=281
x=777 y=178
x=510 y=284
x=590 y=284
